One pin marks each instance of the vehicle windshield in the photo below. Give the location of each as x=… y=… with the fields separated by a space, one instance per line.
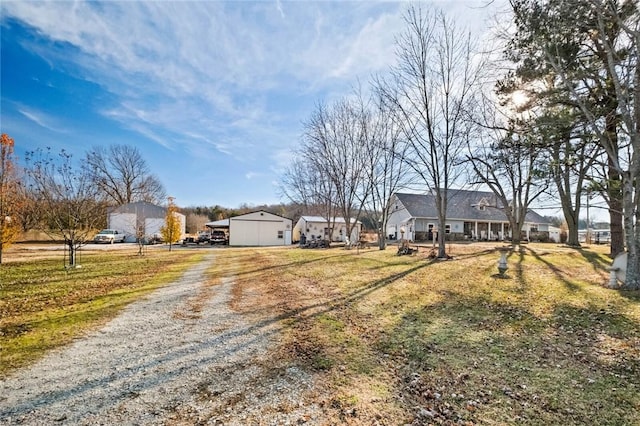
x=107 y=231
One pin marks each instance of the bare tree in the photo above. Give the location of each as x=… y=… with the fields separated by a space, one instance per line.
x=31 y=216
x=431 y=89
x=388 y=170
x=70 y=205
x=508 y=158
x=306 y=184
x=336 y=138
x=122 y=175
x=195 y=222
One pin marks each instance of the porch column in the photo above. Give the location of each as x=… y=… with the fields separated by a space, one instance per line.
x=475 y=233
x=502 y=231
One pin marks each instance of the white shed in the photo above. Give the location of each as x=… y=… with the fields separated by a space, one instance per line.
x=141 y=218
x=259 y=228
x=317 y=227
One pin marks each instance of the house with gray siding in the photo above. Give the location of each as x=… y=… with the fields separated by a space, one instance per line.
x=471 y=215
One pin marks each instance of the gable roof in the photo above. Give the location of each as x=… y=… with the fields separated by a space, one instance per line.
x=320 y=219
x=261 y=212
x=462 y=204
x=142 y=208
x=224 y=223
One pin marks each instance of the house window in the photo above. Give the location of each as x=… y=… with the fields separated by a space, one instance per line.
x=534 y=228
x=447 y=229
x=280 y=235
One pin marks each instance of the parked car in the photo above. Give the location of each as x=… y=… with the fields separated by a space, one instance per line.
x=154 y=239
x=218 y=237
x=109 y=236
x=203 y=237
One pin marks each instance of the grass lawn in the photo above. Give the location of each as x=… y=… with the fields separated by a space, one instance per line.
x=408 y=339
x=42 y=306
x=392 y=339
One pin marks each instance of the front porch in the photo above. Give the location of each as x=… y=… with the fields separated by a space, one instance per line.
x=486 y=231
x=456 y=230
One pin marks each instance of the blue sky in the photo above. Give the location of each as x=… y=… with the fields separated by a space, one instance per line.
x=212 y=93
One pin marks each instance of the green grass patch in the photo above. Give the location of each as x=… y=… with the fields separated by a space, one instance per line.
x=44 y=306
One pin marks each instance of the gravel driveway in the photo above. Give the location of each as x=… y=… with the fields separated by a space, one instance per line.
x=179 y=356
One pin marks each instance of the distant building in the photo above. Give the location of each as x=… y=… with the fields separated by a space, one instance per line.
x=317 y=227
x=258 y=228
x=141 y=219
x=595 y=236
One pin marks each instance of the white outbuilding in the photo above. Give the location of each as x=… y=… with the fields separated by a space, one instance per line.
x=141 y=219
x=258 y=228
x=318 y=227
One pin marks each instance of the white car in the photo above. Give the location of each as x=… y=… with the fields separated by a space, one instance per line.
x=109 y=236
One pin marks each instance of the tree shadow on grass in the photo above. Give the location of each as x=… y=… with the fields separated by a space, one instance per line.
x=246 y=258
x=598 y=262
x=156 y=369
x=573 y=356
x=561 y=275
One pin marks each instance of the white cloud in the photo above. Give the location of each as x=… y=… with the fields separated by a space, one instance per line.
x=216 y=75
x=279 y=7
x=372 y=49
x=41 y=119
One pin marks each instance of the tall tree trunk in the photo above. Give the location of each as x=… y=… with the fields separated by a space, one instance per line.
x=614 y=191
x=441 y=206
x=632 y=281
x=442 y=248
x=382 y=234
x=572 y=230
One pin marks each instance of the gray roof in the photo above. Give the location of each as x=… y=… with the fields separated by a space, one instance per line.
x=224 y=223
x=462 y=204
x=142 y=208
x=321 y=219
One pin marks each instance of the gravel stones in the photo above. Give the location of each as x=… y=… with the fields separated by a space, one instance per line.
x=162 y=362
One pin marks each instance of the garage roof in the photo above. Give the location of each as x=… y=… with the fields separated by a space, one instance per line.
x=224 y=223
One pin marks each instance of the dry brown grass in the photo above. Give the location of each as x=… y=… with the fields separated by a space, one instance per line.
x=407 y=339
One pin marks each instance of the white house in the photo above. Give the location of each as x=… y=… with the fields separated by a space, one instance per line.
x=471 y=215
x=317 y=227
x=259 y=228
x=141 y=219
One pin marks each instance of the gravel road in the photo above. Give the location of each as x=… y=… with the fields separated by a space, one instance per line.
x=178 y=356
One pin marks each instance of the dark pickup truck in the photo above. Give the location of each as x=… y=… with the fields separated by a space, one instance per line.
x=218 y=237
